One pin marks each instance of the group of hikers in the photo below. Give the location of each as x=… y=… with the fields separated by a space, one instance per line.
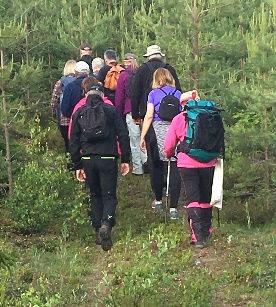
x=108 y=111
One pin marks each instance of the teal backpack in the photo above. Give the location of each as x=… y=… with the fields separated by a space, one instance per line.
x=204 y=139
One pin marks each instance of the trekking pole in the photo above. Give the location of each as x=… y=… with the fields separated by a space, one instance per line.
x=218 y=218
x=167 y=190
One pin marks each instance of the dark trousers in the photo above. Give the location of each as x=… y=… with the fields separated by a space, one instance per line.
x=158 y=176
x=101 y=176
x=197 y=183
x=158 y=171
x=64 y=133
x=198 y=187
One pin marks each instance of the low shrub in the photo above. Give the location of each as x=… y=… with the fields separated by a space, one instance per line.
x=44 y=192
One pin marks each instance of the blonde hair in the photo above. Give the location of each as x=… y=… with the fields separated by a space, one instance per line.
x=69 y=68
x=162 y=77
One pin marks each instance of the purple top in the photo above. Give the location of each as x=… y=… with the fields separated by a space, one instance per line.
x=122 y=101
x=156 y=95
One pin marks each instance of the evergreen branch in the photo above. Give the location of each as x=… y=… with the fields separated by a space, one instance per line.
x=36 y=46
x=14 y=117
x=189 y=7
x=3 y=185
x=215 y=7
x=211 y=45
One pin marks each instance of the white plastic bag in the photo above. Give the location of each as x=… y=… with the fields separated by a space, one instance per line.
x=217 y=187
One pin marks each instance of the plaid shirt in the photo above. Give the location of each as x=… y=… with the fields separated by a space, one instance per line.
x=55 y=105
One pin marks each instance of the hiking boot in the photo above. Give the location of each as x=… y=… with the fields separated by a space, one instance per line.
x=97 y=238
x=174 y=214
x=105 y=237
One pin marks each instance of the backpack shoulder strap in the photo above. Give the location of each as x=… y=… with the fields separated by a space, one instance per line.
x=118 y=68
x=174 y=91
x=163 y=91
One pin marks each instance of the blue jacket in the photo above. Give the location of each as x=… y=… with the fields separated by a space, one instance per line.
x=71 y=96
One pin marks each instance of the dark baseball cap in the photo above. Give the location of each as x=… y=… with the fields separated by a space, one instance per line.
x=84 y=46
x=97 y=87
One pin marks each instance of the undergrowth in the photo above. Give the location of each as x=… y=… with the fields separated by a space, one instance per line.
x=151 y=263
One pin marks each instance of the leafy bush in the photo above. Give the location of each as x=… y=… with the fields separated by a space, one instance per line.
x=42 y=194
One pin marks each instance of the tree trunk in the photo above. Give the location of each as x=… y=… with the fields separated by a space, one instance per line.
x=195 y=44
x=81 y=21
x=6 y=127
x=27 y=57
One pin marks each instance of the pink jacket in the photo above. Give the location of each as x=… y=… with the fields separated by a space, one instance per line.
x=81 y=103
x=175 y=134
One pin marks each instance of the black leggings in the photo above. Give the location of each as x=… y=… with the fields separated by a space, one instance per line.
x=158 y=171
x=158 y=174
x=197 y=183
x=198 y=187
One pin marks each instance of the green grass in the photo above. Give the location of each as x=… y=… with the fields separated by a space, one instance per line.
x=151 y=264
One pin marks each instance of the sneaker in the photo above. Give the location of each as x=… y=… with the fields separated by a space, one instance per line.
x=153 y=204
x=159 y=206
x=174 y=214
x=137 y=174
x=98 y=238
x=137 y=171
x=105 y=237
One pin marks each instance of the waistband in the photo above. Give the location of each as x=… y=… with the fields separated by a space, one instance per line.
x=98 y=157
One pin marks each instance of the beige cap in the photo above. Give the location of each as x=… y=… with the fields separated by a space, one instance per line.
x=153 y=49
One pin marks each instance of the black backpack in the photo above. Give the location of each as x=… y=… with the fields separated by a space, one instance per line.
x=130 y=83
x=93 y=120
x=169 y=106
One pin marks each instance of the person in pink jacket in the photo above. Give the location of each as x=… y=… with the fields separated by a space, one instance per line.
x=196 y=176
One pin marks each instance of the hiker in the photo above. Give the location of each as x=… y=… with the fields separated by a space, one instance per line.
x=163 y=87
x=197 y=176
x=96 y=127
x=143 y=81
x=109 y=74
x=86 y=85
x=86 y=54
x=57 y=96
x=97 y=64
x=73 y=91
x=123 y=106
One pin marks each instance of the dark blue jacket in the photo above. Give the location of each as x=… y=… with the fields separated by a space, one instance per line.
x=71 y=96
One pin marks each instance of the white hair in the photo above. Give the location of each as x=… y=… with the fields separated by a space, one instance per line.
x=97 y=64
x=155 y=56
